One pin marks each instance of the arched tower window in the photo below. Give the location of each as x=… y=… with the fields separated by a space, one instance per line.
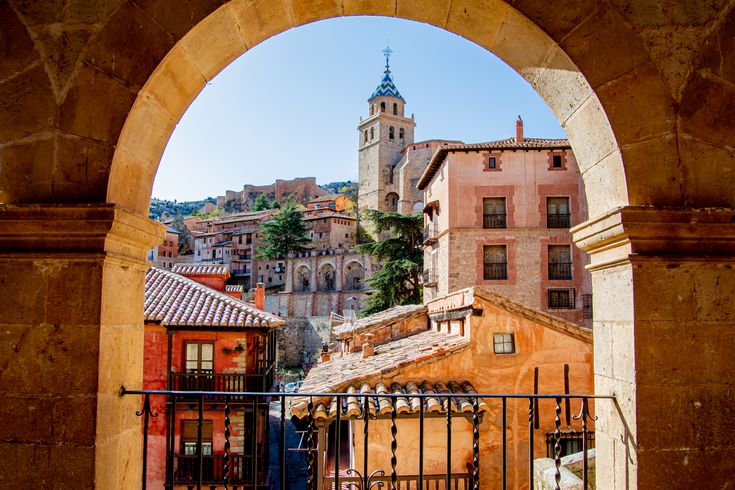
x=372 y=134
x=372 y=109
x=391 y=133
x=401 y=133
x=366 y=136
x=395 y=109
x=382 y=107
x=391 y=202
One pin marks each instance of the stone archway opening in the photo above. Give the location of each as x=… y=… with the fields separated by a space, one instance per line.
x=77 y=180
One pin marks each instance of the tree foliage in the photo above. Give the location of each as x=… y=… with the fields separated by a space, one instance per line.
x=184 y=235
x=284 y=234
x=400 y=252
x=261 y=203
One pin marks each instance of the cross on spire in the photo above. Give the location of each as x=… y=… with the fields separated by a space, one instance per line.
x=387 y=52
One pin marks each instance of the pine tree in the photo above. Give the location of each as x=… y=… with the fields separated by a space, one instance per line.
x=284 y=234
x=261 y=203
x=397 y=282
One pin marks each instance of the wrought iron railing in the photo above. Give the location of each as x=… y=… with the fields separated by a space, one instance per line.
x=361 y=409
x=212 y=467
x=496 y=271
x=431 y=232
x=558 y=220
x=560 y=270
x=494 y=221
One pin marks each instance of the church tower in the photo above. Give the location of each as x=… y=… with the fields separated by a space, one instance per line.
x=382 y=137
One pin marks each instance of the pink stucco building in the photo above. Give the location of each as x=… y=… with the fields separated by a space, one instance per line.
x=504 y=209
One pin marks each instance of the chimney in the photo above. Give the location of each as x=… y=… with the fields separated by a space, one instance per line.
x=519 y=130
x=368 y=349
x=259 y=298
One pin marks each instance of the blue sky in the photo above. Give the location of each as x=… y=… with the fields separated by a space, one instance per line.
x=290 y=106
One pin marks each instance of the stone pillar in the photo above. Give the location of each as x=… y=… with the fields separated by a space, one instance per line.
x=71 y=299
x=664 y=336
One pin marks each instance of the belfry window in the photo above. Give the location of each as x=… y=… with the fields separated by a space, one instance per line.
x=395 y=109
x=372 y=134
x=382 y=107
x=366 y=136
x=391 y=133
x=401 y=133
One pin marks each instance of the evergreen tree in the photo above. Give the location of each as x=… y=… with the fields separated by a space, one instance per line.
x=397 y=282
x=284 y=234
x=184 y=235
x=261 y=203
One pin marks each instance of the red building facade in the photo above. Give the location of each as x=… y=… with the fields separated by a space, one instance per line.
x=199 y=339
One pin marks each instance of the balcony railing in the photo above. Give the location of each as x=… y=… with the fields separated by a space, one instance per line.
x=494 y=220
x=428 y=277
x=558 y=221
x=560 y=270
x=326 y=467
x=242 y=272
x=225 y=383
x=431 y=232
x=496 y=271
x=212 y=470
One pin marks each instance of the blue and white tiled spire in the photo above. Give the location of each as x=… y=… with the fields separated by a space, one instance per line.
x=387 y=88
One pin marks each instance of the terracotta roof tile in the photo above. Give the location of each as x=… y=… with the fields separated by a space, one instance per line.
x=202 y=269
x=342 y=371
x=175 y=300
x=390 y=315
x=353 y=406
x=234 y=288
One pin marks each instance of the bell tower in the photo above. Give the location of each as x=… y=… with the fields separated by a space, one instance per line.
x=382 y=137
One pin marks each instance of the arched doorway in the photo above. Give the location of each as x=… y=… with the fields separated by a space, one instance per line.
x=302 y=279
x=326 y=278
x=651 y=127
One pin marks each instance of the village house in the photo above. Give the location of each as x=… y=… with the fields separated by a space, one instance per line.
x=165 y=255
x=504 y=209
x=331 y=230
x=329 y=202
x=471 y=341
x=202 y=339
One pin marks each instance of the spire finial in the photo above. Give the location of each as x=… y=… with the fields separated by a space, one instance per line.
x=387 y=52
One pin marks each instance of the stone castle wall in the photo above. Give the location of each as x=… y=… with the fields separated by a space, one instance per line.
x=303 y=188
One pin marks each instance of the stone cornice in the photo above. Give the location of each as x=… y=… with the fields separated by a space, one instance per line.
x=651 y=231
x=77 y=229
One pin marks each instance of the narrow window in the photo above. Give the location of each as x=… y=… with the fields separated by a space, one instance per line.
x=556 y=161
x=493 y=212
x=503 y=343
x=366 y=136
x=401 y=133
x=495 y=261
x=382 y=107
x=391 y=133
x=372 y=134
x=372 y=109
x=560 y=262
x=491 y=164
x=395 y=109
x=587 y=306
x=557 y=212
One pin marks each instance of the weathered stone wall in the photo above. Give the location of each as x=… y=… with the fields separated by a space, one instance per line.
x=300 y=341
x=303 y=189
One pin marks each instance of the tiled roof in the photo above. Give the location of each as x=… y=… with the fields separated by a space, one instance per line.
x=352 y=407
x=327 y=197
x=386 y=88
x=506 y=144
x=333 y=214
x=469 y=297
x=202 y=269
x=234 y=288
x=175 y=300
x=389 y=359
x=390 y=315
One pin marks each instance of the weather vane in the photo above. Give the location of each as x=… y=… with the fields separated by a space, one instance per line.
x=387 y=52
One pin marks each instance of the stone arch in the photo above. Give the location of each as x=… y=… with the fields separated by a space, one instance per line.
x=354 y=276
x=391 y=199
x=326 y=277
x=86 y=115
x=302 y=279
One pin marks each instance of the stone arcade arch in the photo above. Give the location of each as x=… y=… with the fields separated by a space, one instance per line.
x=354 y=276
x=326 y=278
x=302 y=282
x=91 y=95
